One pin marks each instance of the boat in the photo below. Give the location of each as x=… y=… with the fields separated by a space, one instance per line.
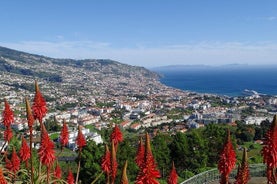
x=250 y=92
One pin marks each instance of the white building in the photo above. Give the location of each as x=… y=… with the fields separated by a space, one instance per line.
x=88 y=135
x=251 y=120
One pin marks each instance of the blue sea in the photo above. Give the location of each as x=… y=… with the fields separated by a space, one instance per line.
x=230 y=81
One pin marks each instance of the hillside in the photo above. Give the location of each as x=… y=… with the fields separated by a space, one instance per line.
x=74 y=77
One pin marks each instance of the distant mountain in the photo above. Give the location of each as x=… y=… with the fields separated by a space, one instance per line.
x=173 y=68
x=31 y=65
x=18 y=69
x=179 y=67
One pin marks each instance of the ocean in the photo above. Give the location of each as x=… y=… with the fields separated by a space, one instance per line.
x=230 y=81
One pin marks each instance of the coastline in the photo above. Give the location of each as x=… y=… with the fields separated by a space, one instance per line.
x=229 y=82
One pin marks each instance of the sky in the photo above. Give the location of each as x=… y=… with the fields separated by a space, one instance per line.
x=145 y=33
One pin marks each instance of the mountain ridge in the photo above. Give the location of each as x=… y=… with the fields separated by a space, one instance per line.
x=70 y=76
x=11 y=60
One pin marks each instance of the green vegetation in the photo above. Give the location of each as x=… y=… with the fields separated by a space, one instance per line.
x=176 y=113
x=103 y=104
x=193 y=152
x=117 y=115
x=54 y=136
x=162 y=153
x=254 y=152
x=52 y=125
x=91 y=128
x=91 y=163
x=66 y=153
x=247 y=112
x=217 y=101
x=140 y=96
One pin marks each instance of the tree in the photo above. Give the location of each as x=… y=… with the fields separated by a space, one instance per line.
x=179 y=151
x=127 y=151
x=245 y=132
x=161 y=153
x=52 y=125
x=105 y=134
x=214 y=134
x=260 y=131
x=90 y=162
x=197 y=150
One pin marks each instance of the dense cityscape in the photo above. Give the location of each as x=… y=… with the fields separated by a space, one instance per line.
x=99 y=94
x=137 y=102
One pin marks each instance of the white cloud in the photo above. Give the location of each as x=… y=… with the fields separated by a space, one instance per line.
x=63 y=49
x=271 y=18
x=214 y=53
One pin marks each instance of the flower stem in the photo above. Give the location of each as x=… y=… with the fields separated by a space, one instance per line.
x=95 y=180
x=79 y=165
x=31 y=155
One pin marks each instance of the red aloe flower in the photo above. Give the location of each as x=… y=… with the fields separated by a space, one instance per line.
x=70 y=178
x=2 y=178
x=227 y=160
x=113 y=163
x=173 y=177
x=24 y=151
x=269 y=150
x=8 y=134
x=13 y=164
x=64 y=136
x=46 y=151
x=124 y=178
x=106 y=161
x=8 y=163
x=140 y=154
x=148 y=172
x=15 y=161
x=39 y=105
x=243 y=170
x=80 y=140
x=29 y=114
x=116 y=136
x=8 y=117
x=58 y=172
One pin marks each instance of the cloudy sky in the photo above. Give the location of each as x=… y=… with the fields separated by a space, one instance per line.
x=144 y=32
